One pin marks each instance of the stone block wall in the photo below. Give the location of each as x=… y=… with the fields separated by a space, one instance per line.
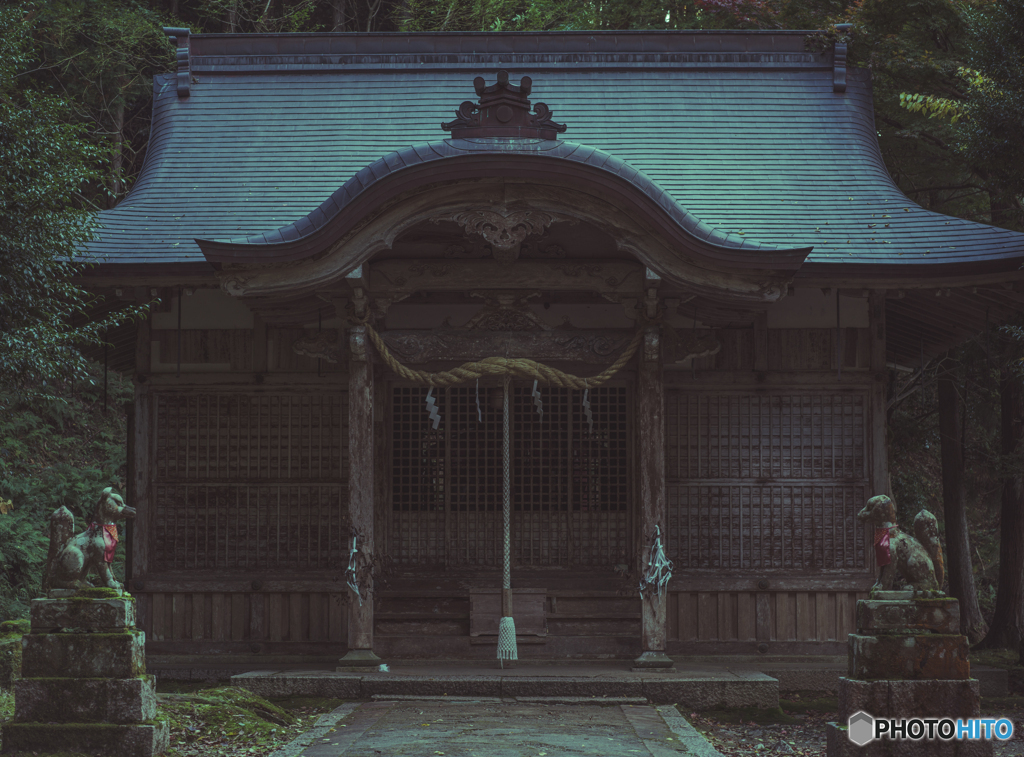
x=84 y=686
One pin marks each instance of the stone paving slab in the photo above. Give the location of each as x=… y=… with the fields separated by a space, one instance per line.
x=406 y=728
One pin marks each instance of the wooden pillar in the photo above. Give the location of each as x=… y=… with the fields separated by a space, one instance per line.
x=879 y=374
x=139 y=475
x=651 y=459
x=360 y=493
x=879 y=460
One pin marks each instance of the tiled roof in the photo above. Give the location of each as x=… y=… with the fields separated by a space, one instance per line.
x=742 y=131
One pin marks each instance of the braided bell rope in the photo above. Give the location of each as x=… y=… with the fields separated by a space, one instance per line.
x=502 y=366
x=506 y=626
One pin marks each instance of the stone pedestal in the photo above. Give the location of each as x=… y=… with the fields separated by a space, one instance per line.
x=84 y=686
x=907 y=660
x=11 y=632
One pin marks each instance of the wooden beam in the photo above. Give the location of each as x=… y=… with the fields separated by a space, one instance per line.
x=401 y=276
x=259 y=345
x=597 y=346
x=143 y=348
x=761 y=341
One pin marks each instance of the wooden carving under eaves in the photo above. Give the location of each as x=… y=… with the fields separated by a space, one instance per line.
x=505 y=230
x=323 y=346
x=691 y=344
x=503 y=111
x=506 y=311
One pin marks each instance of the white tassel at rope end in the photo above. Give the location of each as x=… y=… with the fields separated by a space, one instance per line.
x=507 y=651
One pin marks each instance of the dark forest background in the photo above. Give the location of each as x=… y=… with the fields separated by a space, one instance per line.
x=75 y=98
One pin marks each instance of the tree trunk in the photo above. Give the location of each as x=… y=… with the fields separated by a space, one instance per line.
x=231 y=19
x=340 y=8
x=1007 y=628
x=958 y=545
x=1000 y=210
x=117 y=156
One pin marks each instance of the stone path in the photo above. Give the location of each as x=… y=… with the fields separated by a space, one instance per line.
x=475 y=728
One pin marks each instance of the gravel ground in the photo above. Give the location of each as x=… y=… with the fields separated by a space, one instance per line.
x=805 y=735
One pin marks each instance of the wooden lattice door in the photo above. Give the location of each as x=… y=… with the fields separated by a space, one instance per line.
x=571 y=491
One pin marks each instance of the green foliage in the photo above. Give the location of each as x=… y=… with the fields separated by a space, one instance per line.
x=991 y=136
x=54 y=453
x=529 y=15
x=915 y=467
x=982 y=100
x=100 y=56
x=932 y=106
x=46 y=161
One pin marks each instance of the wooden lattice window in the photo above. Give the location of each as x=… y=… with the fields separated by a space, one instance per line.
x=766 y=481
x=570 y=484
x=248 y=481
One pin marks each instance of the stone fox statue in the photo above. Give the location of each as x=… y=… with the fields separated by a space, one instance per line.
x=72 y=558
x=919 y=560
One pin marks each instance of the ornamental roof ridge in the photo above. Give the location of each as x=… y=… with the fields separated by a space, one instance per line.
x=503 y=111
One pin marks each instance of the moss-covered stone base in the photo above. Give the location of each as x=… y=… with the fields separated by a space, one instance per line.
x=84 y=655
x=911 y=657
x=85 y=700
x=909 y=699
x=101 y=739
x=96 y=615
x=908 y=616
x=10 y=661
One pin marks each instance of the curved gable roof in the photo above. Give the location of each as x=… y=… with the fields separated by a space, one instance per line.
x=742 y=130
x=421 y=166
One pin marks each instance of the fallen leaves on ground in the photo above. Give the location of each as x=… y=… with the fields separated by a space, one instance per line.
x=802 y=735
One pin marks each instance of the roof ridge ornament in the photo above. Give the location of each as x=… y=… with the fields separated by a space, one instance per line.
x=839 y=57
x=179 y=35
x=503 y=111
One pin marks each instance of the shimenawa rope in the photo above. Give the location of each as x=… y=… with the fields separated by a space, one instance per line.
x=502 y=366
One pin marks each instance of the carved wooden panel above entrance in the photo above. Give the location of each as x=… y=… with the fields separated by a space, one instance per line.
x=422 y=346
x=505 y=230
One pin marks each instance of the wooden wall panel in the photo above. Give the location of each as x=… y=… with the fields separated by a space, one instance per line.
x=784 y=616
x=766 y=481
x=247 y=480
x=229 y=617
x=203 y=346
x=819 y=435
x=282 y=357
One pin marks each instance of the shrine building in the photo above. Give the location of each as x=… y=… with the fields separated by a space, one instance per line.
x=682 y=247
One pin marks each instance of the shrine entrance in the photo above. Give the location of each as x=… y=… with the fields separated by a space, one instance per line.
x=570 y=469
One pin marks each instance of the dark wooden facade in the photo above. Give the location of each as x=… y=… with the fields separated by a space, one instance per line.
x=244 y=459
x=749 y=428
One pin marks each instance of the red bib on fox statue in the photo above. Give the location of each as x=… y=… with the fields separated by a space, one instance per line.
x=109 y=539
x=883 y=555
